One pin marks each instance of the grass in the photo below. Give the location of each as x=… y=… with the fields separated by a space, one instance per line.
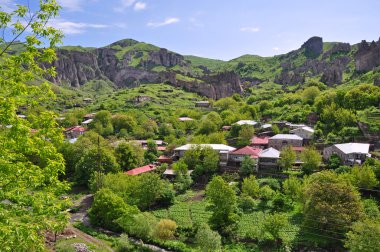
x=66 y=245
x=78 y=48
x=212 y=64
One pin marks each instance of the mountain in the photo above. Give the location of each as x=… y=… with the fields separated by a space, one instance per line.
x=128 y=63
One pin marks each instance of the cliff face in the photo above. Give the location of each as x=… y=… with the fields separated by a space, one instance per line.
x=368 y=56
x=328 y=66
x=76 y=67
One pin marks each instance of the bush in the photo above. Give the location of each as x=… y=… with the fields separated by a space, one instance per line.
x=139 y=225
x=207 y=240
x=165 y=229
x=108 y=207
x=246 y=203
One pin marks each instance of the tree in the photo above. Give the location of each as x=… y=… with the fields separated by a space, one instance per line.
x=102 y=123
x=121 y=121
x=94 y=160
x=207 y=240
x=292 y=187
x=182 y=179
x=331 y=202
x=365 y=236
x=30 y=165
x=251 y=187
x=247 y=166
x=151 y=153
x=203 y=160
x=129 y=155
x=245 y=135
x=138 y=224
x=311 y=159
x=363 y=177
x=223 y=199
x=107 y=208
x=334 y=161
x=165 y=229
x=309 y=94
x=273 y=228
x=287 y=157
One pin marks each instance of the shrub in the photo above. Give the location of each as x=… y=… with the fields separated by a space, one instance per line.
x=207 y=240
x=165 y=229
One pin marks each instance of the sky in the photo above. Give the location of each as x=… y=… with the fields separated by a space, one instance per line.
x=221 y=29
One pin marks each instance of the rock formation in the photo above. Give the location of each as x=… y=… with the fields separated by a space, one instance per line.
x=367 y=56
x=313 y=47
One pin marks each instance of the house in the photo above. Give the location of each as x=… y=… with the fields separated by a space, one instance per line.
x=87 y=122
x=164 y=159
x=184 y=119
x=89 y=116
x=281 y=140
x=266 y=127
x=247 y=122
x=268 y=158
x=236 y=157
x=226 y=128
x=144 y=143
x=87 y=100
x=222 y=149
x=349 y=153
x=305 y=132
x=142 y=169
x=298 y=151
x=294 y=125
x=280 y=124
x=203 y=104
x=74 y=132
x=260 y=142
x=170 y=173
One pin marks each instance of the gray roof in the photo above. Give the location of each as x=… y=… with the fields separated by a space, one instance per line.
x=286 y=136
x=218 y=147
x=269 y=153
x=305 y=128
x=348 y=148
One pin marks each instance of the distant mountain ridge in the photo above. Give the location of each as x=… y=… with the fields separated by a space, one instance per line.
x=129 y=63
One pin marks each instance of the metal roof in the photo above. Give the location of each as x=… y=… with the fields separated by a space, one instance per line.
x=286 y=136
x=269 y=153
x=348 y=148
x=218 y=147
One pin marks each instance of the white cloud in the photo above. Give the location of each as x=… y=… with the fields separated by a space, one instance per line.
x=250 y=29
x=123 y=4
x=139 y=6
x=276 y=49
x=71 y=5
x=167 y=21
x=68 y=27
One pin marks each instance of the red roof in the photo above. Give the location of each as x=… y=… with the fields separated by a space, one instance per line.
x=161 y=148
x=76 y=128
x=247 y=151
x=143 y=169
x=259 y=140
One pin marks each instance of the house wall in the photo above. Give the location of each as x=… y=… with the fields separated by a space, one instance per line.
x=304 y=133
x=278 y=144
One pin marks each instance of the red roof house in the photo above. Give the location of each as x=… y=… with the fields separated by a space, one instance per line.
x=143 y=169
x=260 y=142
x=237 y=156
x=74 y=132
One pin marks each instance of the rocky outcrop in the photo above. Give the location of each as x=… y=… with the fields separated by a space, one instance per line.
x=336 y=49
x=75 y=67
x=329 y=67
x=213 y=86
x=367 y=56
x=313 y=47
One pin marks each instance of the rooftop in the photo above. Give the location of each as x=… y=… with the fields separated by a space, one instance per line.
x=259 y=140
x=218 y=147
x=182 y=119
x=306 y=128
x=143 y=169
x=246 y=122
x=348 y=148
x=75 y=128
x=286 y=136
x=247 y=150
x=269 y=153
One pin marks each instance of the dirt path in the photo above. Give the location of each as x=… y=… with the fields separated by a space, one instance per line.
x=90 y=239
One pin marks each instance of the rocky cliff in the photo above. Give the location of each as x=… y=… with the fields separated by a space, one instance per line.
x=128 y=63
x=368 y=56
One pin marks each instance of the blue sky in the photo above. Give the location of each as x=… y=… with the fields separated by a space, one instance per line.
x=217 y=29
